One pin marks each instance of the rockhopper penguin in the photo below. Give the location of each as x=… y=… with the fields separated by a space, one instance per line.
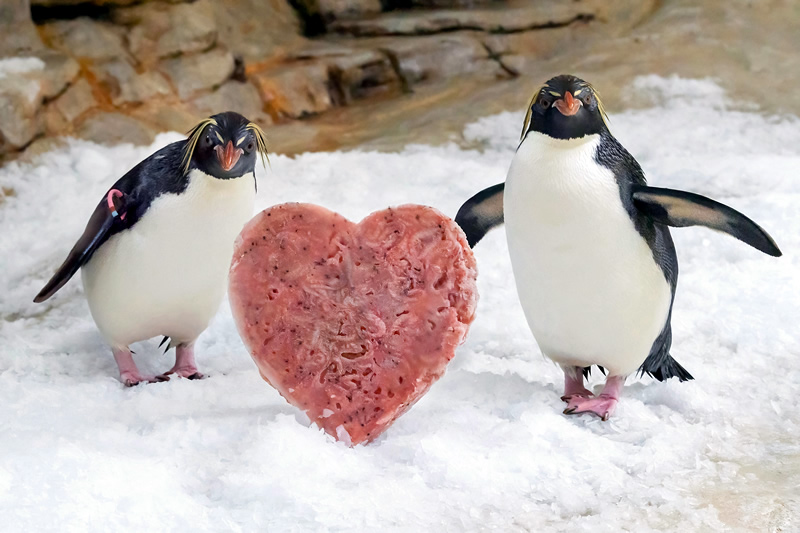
x=155 y=254
x=590 y=247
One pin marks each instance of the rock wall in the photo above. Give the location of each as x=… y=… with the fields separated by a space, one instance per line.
x=122 y=70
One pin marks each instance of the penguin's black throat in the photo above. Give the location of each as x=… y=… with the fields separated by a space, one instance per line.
x=565 y=107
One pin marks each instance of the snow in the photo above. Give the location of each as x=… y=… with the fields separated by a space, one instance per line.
x=12 y=66
x=488 y=447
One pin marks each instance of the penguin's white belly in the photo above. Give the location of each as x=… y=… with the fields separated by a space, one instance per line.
x=167 y=274
x=588 y=283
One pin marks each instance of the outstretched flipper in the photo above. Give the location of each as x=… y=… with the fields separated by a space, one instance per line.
x=107 y=218
x=681 y=209
x=481 y=213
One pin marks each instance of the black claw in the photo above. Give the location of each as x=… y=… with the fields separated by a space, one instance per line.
x=196 y=375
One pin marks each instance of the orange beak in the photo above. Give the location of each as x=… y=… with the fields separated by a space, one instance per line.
x=228 y=156
x=568 y=105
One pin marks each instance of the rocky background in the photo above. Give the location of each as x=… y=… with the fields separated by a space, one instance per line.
x=323 y=74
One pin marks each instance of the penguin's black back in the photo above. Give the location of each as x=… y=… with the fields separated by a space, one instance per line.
x=161 y=173
x=627 y=172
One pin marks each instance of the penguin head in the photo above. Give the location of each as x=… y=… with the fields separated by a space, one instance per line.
x=224 y=146
x=566 y=107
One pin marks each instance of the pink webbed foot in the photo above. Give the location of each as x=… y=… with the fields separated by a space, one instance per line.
x=188 y=372
x=131 y=379
x=128 y=373
x=573 y=384
x=602 y=405
x=185 y=365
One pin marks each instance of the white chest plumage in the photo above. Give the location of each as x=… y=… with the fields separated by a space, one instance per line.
x=166 y=275
x=590 y=288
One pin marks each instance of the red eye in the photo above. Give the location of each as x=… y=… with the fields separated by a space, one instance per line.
x=586 y=100
x=544 y=102
x=250 y=146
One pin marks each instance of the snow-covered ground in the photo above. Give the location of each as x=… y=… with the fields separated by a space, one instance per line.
x=488 y=447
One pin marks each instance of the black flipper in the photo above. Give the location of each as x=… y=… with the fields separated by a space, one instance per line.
x=97 y=230
x=680 y=209
x=481 y=213
x=161 y=173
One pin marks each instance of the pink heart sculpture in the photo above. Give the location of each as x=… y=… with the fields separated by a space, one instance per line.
x=352 y=323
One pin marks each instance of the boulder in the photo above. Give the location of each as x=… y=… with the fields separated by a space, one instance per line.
x=193 y=73
x=17 y=31
x=86 y=38
x=115 y=128
x=516 y=17
x=257 y=30
x=535 y=44
x=59 y=71
x=125 y=85
x=331 y=10
x=437 y=57
x=167 y=116
x=161 y=30
x=363 y=74
x=295 y=90
x=20 y=101
x=233 y=96
x=68 y=107
x=356 y=72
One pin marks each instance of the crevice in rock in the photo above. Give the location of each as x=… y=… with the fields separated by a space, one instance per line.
x=498 y=58
x=311 y=21
x=394 y=61
x=396 y=5
x=583 y=17
x=335 y=87
x=239 y=70
x=356 y=31
x=41 y=14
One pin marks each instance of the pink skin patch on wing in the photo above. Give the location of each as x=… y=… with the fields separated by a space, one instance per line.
x=352 y=323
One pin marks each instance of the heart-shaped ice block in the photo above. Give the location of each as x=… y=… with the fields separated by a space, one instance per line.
x=352 y=323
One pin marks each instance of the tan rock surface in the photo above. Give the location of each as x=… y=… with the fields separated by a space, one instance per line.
x=507 y=17
x=257 y=30
x=75 y=101
x=85 y=38
x=125 y=85
x=750 y=49
x=161 y=30
x=193 y=73
x=296 y=91
x=233 y=96
x=115 y=128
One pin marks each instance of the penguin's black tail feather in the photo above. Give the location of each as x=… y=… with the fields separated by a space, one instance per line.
x=587 y=371
x=169 y=344
x=669 y=368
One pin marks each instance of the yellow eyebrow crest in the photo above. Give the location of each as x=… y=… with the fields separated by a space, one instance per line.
x=555 y=93
x=193 y=138
x=219 y=136
x=243 y=137
x=579 y=91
